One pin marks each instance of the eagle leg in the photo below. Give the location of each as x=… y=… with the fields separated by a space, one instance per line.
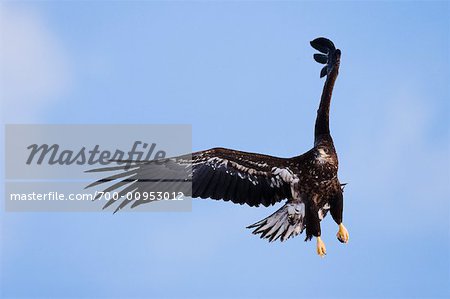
x=342 y=235
x=321 y=250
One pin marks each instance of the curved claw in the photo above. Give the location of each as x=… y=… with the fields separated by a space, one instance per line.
x=321 y=250
x=342 y=235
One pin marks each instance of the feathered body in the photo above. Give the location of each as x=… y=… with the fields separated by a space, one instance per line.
x=309 y=183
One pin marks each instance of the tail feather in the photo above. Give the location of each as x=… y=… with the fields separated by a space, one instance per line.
x=285 y=223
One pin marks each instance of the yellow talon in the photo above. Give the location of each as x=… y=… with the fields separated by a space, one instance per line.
x=321 y=250
x=342 y=234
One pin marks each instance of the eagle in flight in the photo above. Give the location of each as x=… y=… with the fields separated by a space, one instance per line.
x=308 y=183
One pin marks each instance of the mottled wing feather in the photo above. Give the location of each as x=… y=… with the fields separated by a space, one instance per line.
x=219 y=173
x=240 y=177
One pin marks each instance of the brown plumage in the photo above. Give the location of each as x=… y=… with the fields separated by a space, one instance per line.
x=308 y=182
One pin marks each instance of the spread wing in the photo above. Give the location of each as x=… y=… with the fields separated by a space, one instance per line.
x=218 y=173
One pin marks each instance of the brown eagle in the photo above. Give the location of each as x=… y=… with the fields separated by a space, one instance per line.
x=308 y=183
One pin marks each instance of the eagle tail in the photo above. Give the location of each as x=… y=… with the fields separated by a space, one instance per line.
x=286 y=222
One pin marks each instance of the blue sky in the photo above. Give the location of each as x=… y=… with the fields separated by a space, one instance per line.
x=242 y=74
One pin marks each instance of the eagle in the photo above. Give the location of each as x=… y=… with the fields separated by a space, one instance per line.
x=308 y=183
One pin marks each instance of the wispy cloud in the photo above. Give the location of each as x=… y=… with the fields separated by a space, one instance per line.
x=405 y=173
x=34 y=65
